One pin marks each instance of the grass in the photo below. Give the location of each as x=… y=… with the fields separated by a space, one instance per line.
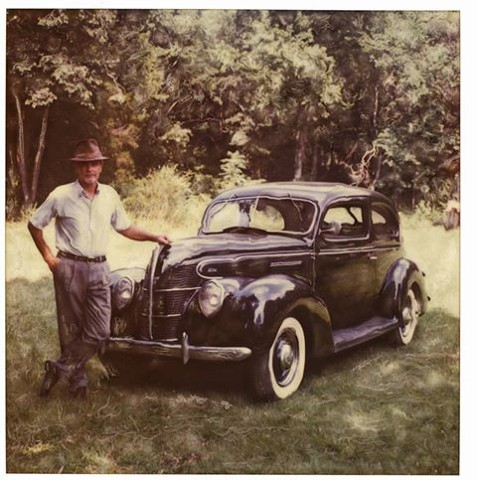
x=373 y=410
x=437 y=252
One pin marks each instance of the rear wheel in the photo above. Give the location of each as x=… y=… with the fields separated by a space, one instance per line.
x=278 y=372
x=410 y=312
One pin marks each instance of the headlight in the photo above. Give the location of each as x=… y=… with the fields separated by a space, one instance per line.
x=211 y=298
x=123 y=292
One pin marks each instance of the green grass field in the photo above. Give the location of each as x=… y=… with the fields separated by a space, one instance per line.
x=373 y=410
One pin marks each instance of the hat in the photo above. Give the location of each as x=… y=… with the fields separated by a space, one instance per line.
x=87 y=151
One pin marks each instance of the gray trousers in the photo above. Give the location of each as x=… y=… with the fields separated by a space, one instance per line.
x=83 y=304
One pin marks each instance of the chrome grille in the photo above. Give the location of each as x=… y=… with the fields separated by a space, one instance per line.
x=171 y=302
x=181 y=276
x=172 y=290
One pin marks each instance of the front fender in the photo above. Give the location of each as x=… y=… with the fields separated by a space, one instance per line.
x=399 y=278
x=134 y=273
x=254 y=308
x=123 y=321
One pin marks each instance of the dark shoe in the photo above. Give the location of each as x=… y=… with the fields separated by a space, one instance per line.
x=50 y=379
x=80 y=393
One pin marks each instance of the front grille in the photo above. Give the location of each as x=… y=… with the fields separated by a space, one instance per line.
x=171 y=302
x=172 y=290
x=180 y=276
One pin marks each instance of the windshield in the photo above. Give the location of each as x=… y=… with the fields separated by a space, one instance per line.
x=271 y=215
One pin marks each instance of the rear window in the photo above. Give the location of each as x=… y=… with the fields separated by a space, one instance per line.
x=384 y=222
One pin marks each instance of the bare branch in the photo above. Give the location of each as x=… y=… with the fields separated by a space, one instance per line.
x=351 y=153
x=360 y=174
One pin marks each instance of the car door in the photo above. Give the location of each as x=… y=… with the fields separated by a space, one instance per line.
x=385 y=238
x=345 y=275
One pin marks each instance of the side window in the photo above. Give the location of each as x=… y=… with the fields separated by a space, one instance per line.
x=344 y=221
x=384 y=223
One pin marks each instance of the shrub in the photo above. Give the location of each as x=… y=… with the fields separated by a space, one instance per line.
x=233 y=170
x=166 y=195
x=424 y=212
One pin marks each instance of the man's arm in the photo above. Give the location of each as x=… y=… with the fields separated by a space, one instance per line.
x=44 y=249
x=137 y=233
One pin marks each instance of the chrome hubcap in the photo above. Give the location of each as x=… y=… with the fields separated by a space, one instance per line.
x=285 y=357
x=410 y=313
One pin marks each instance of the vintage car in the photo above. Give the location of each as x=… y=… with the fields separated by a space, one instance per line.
x=279 y=275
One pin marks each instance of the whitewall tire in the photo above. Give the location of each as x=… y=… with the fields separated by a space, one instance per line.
x=278 y=372
x=410 y=313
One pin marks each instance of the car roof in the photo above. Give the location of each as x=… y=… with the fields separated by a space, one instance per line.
x=322 y=192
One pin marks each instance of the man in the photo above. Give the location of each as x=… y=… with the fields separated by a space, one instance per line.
x=84 y=211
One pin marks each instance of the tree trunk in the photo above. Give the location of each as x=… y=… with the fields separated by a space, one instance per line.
x=379 y=165
x=299 y=156
x=39 y=156
x=315 y=162
x=375 y=110
x=300 y=149
x=372 y=185
x=20 y=156
x=29 y=190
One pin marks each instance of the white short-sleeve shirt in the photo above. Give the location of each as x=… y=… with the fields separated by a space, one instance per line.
x=83 y=225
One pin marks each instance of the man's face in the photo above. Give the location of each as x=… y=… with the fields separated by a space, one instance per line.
x=88 y=172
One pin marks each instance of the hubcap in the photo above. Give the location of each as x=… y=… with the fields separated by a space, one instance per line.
x=285 y=357
x=410 y=313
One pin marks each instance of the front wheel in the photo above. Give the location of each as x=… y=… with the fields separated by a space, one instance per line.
x=410 y=312
x=278 y=372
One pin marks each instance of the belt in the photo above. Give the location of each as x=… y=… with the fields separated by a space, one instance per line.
x=82 y=259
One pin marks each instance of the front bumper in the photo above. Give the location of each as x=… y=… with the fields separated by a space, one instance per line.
x=178 y=350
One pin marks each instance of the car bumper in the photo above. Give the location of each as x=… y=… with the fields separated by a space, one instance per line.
x=178 y=350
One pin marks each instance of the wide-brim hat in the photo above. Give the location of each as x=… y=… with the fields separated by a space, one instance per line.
x=87 y=151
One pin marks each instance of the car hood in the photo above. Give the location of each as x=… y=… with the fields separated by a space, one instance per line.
x=196 y=248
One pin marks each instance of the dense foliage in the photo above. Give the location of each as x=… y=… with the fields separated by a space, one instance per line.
x=369 y=98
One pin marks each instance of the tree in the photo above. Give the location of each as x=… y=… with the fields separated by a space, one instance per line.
x=53 y=57
x=417 y=57
x=368 y=98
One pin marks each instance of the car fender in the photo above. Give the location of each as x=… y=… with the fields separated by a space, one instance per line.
x=402 y=274
x=134 y=273
x=254 y=308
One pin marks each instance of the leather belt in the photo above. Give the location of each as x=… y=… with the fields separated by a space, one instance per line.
x=82 y=259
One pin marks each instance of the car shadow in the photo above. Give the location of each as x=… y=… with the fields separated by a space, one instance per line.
x=195 y=377
x=341 y=360
x=203 y=378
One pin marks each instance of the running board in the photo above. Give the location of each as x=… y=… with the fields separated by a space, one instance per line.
x=373 y=328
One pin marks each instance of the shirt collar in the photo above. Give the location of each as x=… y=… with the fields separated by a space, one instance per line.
x=79 y=189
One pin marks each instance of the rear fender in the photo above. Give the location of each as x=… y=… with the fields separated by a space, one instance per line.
x=402 y=275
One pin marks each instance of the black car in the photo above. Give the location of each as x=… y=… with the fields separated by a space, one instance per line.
x=279 y=275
